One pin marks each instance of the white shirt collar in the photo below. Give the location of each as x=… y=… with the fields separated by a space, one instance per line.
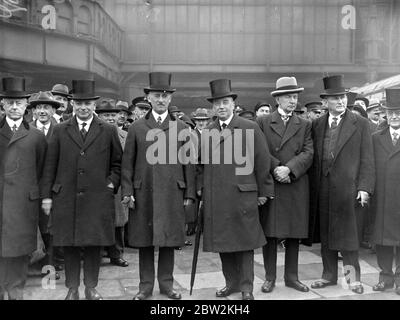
x=393 y=131
x=88 y=123
x=227 y=121
x=12 y=122
x=57 y=117
x=39 y=125
x=283 y=113
x=156 y=115
x=339 y=118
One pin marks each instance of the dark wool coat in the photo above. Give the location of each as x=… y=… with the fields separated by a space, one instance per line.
x=351 y=170
x=386 y=200
x=158 y=218
x=291 y=146
x=121 y=212
x=76 y=176
x=22 y=158
x=231 y=217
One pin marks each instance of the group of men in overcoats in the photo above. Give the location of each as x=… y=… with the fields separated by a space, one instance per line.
x=305 y=183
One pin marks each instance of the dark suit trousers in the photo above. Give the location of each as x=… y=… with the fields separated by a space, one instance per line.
x=116 y=250
x=13 y=274
x=291 y=259
x=91 y=266
x=385 y=256
x=238 y=269
x=164 y=272
x=330 y=257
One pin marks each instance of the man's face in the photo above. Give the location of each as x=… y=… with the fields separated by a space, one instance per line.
x=360 y=103
x=15 y=108
x=44 y=112
x=393 y=118
x=122 y=117
x=287 y=102
x=336 y=104
x=201 y=124
x=140 y=111
x=159 y=100
x=264 y=110
x=223 y=107
x=64 y=103
x=110 y=117
x=373 y=114
x=84 y=109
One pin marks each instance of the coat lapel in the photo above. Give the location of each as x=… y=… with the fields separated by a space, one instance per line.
x=347 y=130
x=5 y=130
x=21 y=133
x=277 y=124
x=385 y=140
x=73 y=131
x=319 y=131
x=394 y=149
x=292 y=127
x=94 y=131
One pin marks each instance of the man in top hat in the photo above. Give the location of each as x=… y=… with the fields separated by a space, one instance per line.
x=314 y=109
x=22 y=155
x=156 y=191
x=61 y=94
x=386 y=200
x=262 y=109
x=231 y=198
x=110 y=114
x=342 y=178
x=140 y=106
x=289 y=140
x=81 y=177
x=124 y=113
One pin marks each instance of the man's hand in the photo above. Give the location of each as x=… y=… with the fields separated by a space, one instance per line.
x=362 y=197
x=110 y=185
x=281 y=174
x=261 y=200
x=187 y=202
x=128 y=202
x=46 y=206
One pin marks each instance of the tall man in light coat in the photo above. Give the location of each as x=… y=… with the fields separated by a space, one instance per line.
x=156 y=188
x=82 y=174
x=386 y=199
x=289 y=140
x=232 y=190
x=343 y=177
x=22 y=155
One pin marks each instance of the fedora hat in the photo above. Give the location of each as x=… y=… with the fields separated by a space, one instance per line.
x=333 y=86
x=107 y=106
x=60 y=90
x=83 y=90
x=286 y=85
x=221 y=88
x=14 y=87
x=159 y=81
x=374 y=103
x=43 y=97
x=366 y=101
x=392 y=99
x=123 y=106
x=201 y=114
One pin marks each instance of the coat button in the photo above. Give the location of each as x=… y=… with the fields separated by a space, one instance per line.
x=276 y=149
x=82 y=153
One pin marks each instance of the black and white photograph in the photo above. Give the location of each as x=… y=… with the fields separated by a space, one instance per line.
x=218 y=151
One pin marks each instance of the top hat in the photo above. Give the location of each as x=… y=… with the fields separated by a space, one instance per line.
x=43 y=97
x=221 y=88
x=351 y=98
x=14 y=87
x=106 y=106
x=83 y=90
x=261 y=104
x=159 y=81
x=313 y=105
x=366 y=101
x=392 y=99
x=286 y=85
x=333 y=86
x=60 y=90
x=201 y=114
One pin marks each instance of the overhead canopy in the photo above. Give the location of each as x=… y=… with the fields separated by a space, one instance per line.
x=378 y=86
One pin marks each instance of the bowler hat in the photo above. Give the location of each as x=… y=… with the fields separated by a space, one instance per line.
x=366 y=101
x=333 y=86
x=14 y=87
x=286 y=85
x=392 y=99
x=159 y=81
x=201 y=114
x=313 y=105
x=43 y=97
x=106 y=106
x=60 y=90
x=221 y=88
x=83 y=90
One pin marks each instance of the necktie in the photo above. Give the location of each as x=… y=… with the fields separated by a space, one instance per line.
x=285 y=119
x=43 y=130
x=83 y=131
x=334 y=123
x=14 y=128
x=395 y=138
x=224 y=125
x=159 y=121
